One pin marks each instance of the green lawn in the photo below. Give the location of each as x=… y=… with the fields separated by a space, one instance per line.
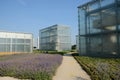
x=100 y=68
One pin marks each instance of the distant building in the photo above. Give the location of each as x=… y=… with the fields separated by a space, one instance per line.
x=56 y=37
x=15 y=42
x=38 y=43
x=99 y=27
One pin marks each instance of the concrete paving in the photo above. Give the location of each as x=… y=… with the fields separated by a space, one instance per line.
x=70 y=70
x=8 y=78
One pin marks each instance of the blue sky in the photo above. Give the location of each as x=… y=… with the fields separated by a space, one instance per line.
x=32 y=15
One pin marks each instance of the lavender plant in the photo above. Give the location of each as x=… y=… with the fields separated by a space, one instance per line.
x=30 y=66
x=100 y=68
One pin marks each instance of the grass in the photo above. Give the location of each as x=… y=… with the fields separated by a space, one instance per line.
x=100 y=68
x=30 y=66
x=50 y=52
x=57 y=52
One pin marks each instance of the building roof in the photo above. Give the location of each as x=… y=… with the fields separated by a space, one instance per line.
x=56 y=25
x=15 y=32
x=90 y=2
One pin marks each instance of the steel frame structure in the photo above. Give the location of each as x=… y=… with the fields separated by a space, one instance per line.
x=99 y=27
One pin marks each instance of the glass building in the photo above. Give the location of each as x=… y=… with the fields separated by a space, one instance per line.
x=99 y=27
x=56 y=37
x=77 y=43
x=15 y=42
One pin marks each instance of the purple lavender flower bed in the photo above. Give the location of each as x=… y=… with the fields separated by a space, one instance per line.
x=100 y=68
x=30 y=66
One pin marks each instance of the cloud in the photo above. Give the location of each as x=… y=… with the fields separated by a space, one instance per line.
x=22 y=2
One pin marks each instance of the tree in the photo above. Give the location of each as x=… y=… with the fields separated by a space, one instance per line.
x=73 y=47
x=34 y=47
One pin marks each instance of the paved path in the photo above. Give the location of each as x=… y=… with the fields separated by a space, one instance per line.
x=8 y=78
x=70 y=70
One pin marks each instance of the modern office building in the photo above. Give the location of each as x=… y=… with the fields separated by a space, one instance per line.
x=56 y=37
x=99 y=27
x=15 y=42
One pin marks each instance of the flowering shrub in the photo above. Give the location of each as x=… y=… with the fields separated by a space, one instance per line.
x=100 y=68
x=30 y=66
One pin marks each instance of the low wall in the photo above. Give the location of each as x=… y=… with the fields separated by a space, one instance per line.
x=9 y=53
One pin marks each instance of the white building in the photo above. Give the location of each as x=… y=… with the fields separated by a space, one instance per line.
x=38 y=43
x=16 y=42
x=56 y=37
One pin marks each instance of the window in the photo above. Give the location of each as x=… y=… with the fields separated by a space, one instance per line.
x=20 y=40
x=2 y=48
x=8 y=40
x=27 y=40
x=2 y=40
x=20 y=48
x=106 y=2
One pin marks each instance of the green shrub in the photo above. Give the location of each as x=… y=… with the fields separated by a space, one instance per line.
x=100 y=68
x=55 y=52
x=37 y=51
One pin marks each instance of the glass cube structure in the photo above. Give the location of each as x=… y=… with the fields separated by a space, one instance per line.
x=56 y=37
x=15 y=42
x=99 y=27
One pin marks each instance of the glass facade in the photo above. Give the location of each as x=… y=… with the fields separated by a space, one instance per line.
x=15 y=43
x=99 y=27
x=56 y=37
x=77 y=43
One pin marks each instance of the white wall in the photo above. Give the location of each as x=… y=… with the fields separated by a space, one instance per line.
x=15 y=35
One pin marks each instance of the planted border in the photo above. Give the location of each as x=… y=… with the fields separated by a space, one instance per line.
x=30 y=66
x=100 y=68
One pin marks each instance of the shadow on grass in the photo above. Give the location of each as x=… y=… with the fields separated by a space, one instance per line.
x=67 y=54
x=100 y=55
